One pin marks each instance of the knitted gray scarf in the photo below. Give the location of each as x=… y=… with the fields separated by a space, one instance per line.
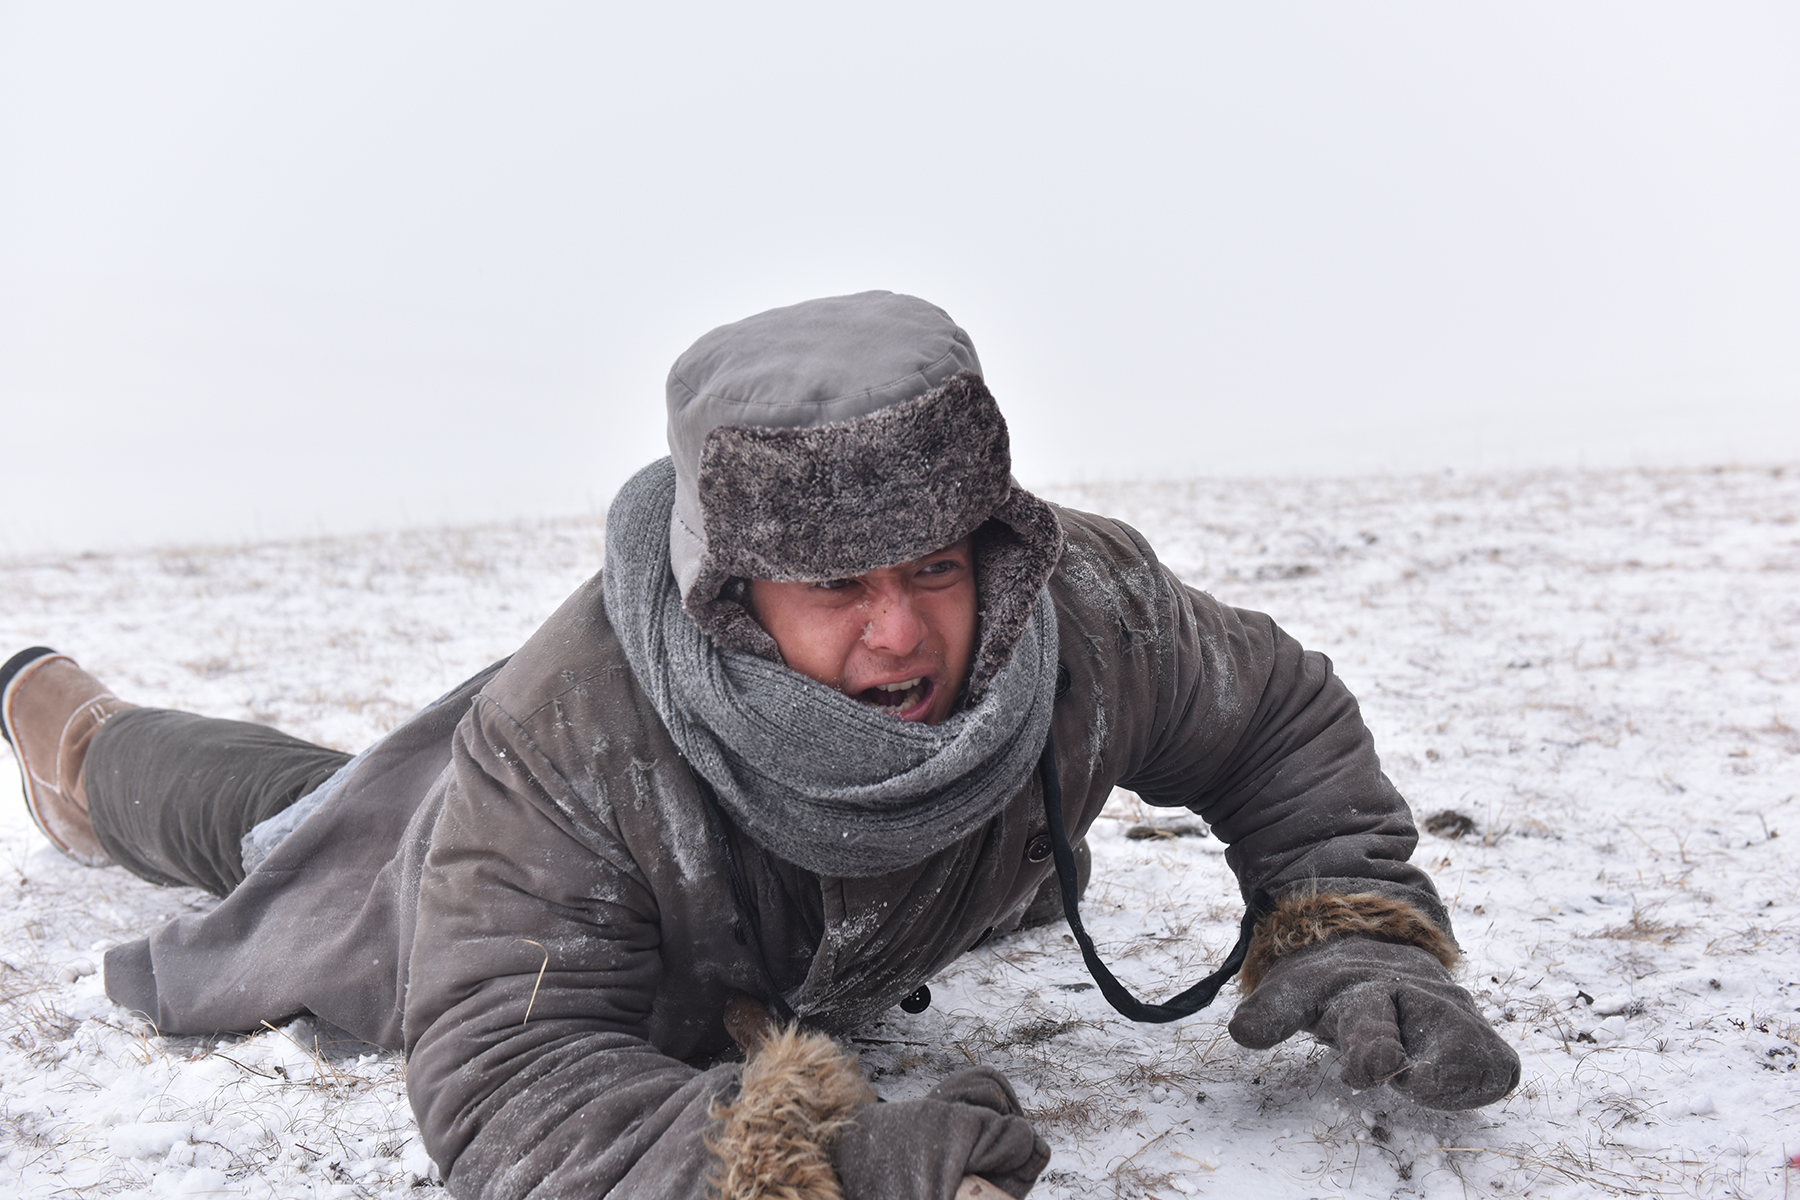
x=830 y=784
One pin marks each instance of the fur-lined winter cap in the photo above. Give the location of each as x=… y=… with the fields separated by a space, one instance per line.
x=837 y=436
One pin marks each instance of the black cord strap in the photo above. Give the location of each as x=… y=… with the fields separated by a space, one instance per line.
x=1187 y=1003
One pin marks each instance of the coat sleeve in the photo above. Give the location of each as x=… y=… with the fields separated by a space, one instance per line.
x=1262 y=739
x=534 y=961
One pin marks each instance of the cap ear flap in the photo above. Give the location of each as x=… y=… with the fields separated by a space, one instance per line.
x=1016 y=551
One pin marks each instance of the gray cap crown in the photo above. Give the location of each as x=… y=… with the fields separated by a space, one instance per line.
x=832 y=437
x=799 y=367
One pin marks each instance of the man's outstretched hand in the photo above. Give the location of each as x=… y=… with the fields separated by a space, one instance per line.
x=965 y=1137
x=1392 y=1012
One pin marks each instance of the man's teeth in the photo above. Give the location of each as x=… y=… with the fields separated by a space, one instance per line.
x=896 y=695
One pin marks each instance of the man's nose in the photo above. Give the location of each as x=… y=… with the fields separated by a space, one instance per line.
x=895 y=626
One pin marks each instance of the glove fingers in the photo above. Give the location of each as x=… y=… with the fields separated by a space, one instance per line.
x=978 y=1085
x=1455 y=1086
x=1392 y=1012
x=1458 y=1060
x=1364 y=1024
x=921 y=1149
x=1009 y=1154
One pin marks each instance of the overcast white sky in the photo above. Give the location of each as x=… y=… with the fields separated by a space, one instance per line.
x=276 y=269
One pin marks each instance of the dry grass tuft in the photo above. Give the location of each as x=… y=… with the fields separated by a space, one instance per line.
x=1642 y=927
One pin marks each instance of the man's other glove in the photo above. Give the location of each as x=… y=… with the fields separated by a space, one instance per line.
x=1393 y=1013
x=969 y=1124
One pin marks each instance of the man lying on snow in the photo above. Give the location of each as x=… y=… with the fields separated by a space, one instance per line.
x=783 y=760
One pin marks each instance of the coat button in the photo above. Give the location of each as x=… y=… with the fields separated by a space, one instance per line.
x=919 y=1001
x=1038 y=849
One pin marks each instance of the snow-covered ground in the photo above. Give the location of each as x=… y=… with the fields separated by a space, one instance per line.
x=1599 y=670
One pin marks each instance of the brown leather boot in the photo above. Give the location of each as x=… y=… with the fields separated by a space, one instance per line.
x=49 y=711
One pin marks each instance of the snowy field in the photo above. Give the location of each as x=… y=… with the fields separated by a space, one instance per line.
x=1597 y=673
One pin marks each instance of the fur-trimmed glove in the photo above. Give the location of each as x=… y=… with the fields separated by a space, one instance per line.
x=1393 y=1013
x=969 y=1124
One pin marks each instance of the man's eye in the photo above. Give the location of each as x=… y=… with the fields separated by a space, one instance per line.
x=941 y=567
x=833 y=585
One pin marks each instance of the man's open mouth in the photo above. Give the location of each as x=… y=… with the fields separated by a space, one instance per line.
x=908 y=699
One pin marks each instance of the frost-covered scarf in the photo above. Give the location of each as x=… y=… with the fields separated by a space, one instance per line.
x=833 y=785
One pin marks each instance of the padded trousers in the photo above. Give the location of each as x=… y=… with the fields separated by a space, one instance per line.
x=171 y=795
